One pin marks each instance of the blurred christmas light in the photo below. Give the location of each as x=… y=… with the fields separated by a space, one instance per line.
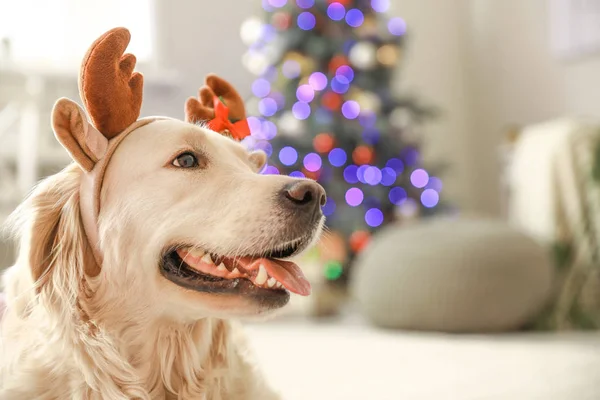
x=435 y=184
x=337 y=157
x=395 y=164
x=255 y=125
x=323 y=143
x=410 y=156
x=388 y=176
x=374 y=217
x=350 y=174
x=251 y=30
x=340 y=84
x=430 y=198
x=332 y=101
x=360 y=173
x=362 y=155
x=306 y=21
x=281 y=20
x=261 y=87
x=363 y=55
x=297 y=174
x=336 y=11
x=397 y=195
x=267 y=131
x=312 y=162
x=333 y=270
x=267 y=107
x=301 y=110
x=266 y=6
x=359 y=240
x=380 y=5
x=305 y=3
x=346 y=72
x=264 y=146
x=290 y=69
x=419 y=178
x=397 y=26
x=355 y=18
x=387 y=55
x=268 y=33
x=408 y=208
x=279 y=99
x=373 y=176
x=371 y=136
x=270 y=170
x=329 y=207
x=277 y=3
x=288 y=156
x=336 y=62
x=350 y=109
x=317 y=80
x=367 y=119
x=305 y=93
x=354 y=197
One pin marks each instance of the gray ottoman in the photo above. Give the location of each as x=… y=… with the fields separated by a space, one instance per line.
x=452 y=276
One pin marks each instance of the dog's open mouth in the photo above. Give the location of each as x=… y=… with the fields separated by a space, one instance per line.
x=264 y=276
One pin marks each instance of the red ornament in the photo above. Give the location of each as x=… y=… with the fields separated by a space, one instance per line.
x=331 y=101
x=336 y=62
x=359 y=240
x=281 y=20
x=323 y=143
x=362 y=155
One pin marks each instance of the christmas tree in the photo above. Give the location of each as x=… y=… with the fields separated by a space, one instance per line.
x=330 y=112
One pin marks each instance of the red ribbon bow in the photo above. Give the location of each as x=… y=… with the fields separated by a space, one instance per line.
x=221 y=122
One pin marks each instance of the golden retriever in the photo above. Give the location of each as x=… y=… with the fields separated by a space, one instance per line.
x=192 y=238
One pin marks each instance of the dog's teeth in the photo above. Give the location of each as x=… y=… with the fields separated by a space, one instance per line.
x=196 y=253
x=271 y=282
x=207 y=259
x=221 y=267
x=262 y=276
x=278 y=285
x=235 y=271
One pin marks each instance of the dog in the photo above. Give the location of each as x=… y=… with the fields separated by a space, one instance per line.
x=140 y=299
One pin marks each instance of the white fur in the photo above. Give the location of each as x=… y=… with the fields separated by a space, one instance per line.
x=121 y=330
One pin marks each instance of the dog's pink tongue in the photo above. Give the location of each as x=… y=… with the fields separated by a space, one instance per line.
x=286 y=272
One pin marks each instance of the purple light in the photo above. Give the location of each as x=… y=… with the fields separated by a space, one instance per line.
x=264 y=146
x=435 y=184
x=373 y=176
x=397 y=26
x=270 y=73
x=305 y=3
x=374 y=217
x=354 y=197
x=269 y=130
x=350 y=109
x=419 y=178
x=346 y=72
x=395 y=164
x=340 y=84
x=301 y=110
x=336 y=11
x=255 y=126
x=306 y=21
x=367 y=119
x=267 y=7
x=288 y=156
x=380 y=5
x=410 y=156
x=267 y=107
x=279 y=99
x=350 y=174
x=360 y=173
x=337 y=157
x=305 y=93
x=291 y=69
x=397 y=196
x=277 y=3
x=317 y=80
x=270 y=170
x=268 y=33
x=370 y=136
x=329 y=207
x=388 y=176
x=430 y=198
x=355 y=18
x=312 y=162
x=297 y=174
x=261 y=87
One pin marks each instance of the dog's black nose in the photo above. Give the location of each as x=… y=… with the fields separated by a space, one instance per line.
x=305 y=193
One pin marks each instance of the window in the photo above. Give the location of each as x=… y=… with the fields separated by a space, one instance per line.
x=57 y=33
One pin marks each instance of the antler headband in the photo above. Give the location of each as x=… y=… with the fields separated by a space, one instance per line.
x=112 y=94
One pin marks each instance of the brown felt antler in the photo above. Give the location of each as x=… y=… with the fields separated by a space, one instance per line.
x=220 y=105
x=110 y=90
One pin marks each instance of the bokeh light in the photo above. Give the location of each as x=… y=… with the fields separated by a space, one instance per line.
x=373 y=176
x=350 y=109
x=305 y=93
x=261 y=87
x=306 y=21
x=371 y=136
x=340 y=84
x=388 y=176
x=279 y=99
x=297 y=174
x=350 y=174
x=395 y=164
x=277 y=3
x=267 y=106
x=346 y=72
x=317 y=80
x=410 y=156
x=367 y=119
x=269 y=130
x=290 y=69
x=419 y=178
x=354 y=197
x=264 y=146
x=397 y=195
x=255 y=126
x=288 y=156
x=380 y=5
x=397 y=26
x=305 y=3
x=312 y=162
x=301 y=110
x=435 y=184
x=374 y=217
x=333 y=270
x=430 y=198
x=336 y=11
x=329 y=207
x=270 y=170
x=355 y=18
x=360 y=173
x=337 y=157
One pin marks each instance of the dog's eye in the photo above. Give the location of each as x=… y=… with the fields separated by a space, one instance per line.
x=186 y=160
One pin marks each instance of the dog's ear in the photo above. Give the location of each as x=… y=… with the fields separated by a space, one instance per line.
x=258 y=159
x=85 y=144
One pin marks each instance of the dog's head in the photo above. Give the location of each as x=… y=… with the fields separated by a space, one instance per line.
x=176 y=216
